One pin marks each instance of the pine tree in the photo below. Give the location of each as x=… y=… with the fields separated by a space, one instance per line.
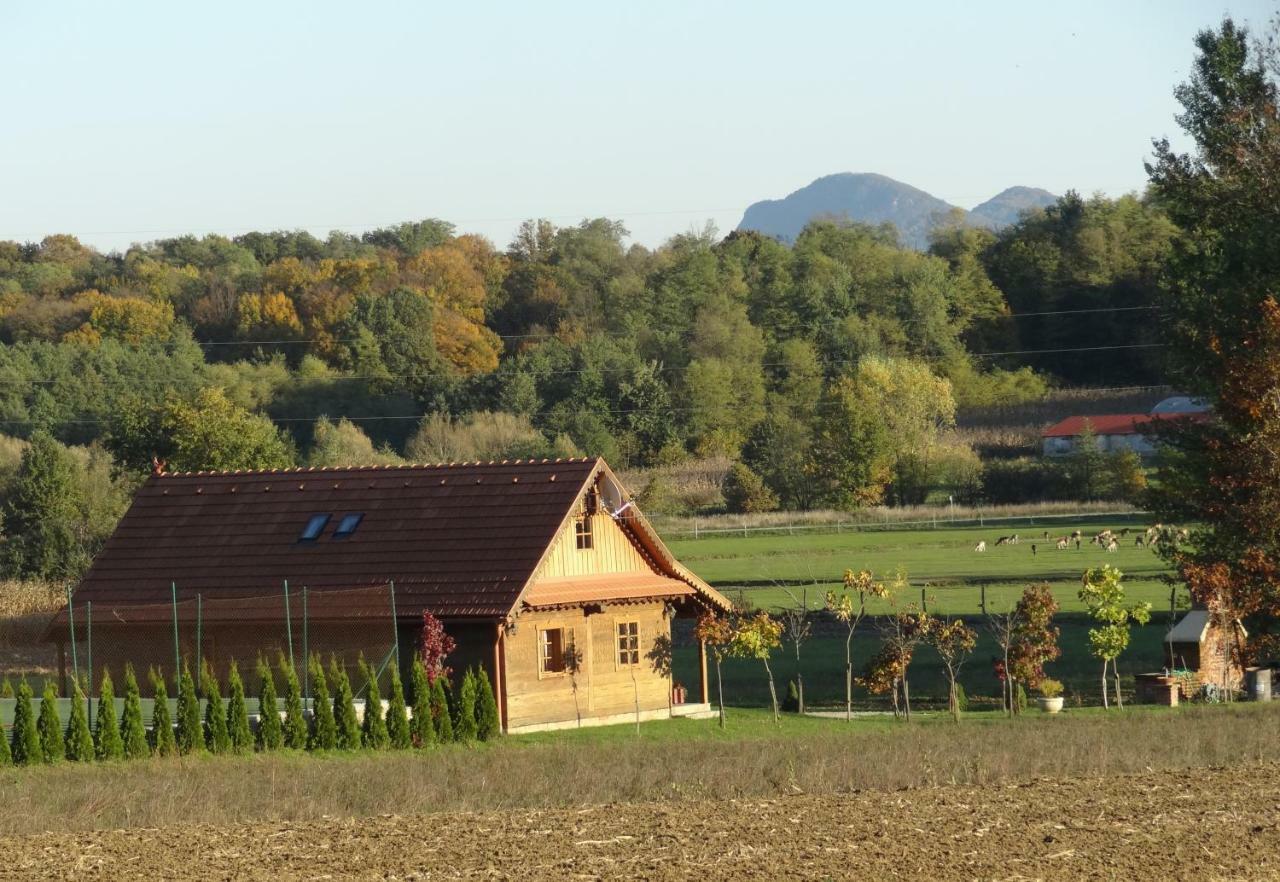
x=440 y=711
x=324 y=731
x=397 y=715
x=373 y=729
x=190 y=729
x=464 y=709
x=294 y=731
x=422 y=728
x=270 y=735
x=488 y=726
x=25 y=746
x=106 y=734
x=215 y=714
x=344 y=708
x=132 y=730
x=49 y=726
x=239 y=736
x=162 y=741
x=78 y=739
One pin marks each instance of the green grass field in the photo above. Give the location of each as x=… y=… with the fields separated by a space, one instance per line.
x=773 y=571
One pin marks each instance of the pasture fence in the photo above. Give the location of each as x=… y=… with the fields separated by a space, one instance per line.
x=933 y=523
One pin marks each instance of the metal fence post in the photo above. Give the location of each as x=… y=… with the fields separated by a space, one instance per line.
x=88 y=629
x=288 y=625
x=71 y=625
x=177 y=653
x=395 y=624
x=306 y=657
x=199 y=634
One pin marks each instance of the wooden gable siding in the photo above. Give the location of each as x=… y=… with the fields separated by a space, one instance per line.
x=612 y=551
x=604 y=687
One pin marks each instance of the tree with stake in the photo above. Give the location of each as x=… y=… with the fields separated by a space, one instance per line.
x=716 y=633
x=901 y=633
x=1102 y=593
x=373 y=729
x=79 y=740
x=422 y=728
x=398 y=734
x=239 y=735
x=162 y=740
x=842 y=606
x=215 y=714
x=270 y=735
x=488 y=726
x=324 y=729
x=758 y=637
x=106 y=732
x=133 y=732
x=1003 y=627
x=294 y=733
x=190 y=728
x=464 y=723
x=25 y=744
x=953 y=640
x=52 y=746
x=344 y=708
x=797 y=627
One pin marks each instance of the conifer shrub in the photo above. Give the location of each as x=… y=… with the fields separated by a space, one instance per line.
x=78 y=741
x=25 y=741
x=162 y=740
x=464 y=709
x=6 y=753
x=6 y=688
x=422 y=729
x=133 y=732
x=239 y=735
x=107 y=744
x=324 y=731
x=791 y=704
x=53 y=747
x=270 y=734
x=294 y=731
x=373 y=730
x=440 y=710
x=215 y=713
x=344 y=708
x=190 y=735
x=962 y=699
x=488 y=726
x=397 y=714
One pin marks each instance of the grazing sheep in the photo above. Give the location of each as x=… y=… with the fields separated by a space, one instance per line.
x=1046 y=534
x=1062 y=543
x=1076 y=534
x=1113 y=545
x=1013 y=540
x=1138 y=543
x=981 y=546
x=1003 y=540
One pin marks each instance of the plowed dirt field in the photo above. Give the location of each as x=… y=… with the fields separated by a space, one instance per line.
x=1204 y=824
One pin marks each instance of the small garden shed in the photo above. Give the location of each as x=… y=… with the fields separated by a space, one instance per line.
x=1200 y=644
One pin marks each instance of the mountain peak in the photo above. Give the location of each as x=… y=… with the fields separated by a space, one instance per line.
x=873 y=198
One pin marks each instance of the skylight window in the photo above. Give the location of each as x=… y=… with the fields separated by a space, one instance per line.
x=314 y=528
x=348 y=525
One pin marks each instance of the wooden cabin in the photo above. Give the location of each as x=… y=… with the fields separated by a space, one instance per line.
x=544 y=572
x=1200 y=644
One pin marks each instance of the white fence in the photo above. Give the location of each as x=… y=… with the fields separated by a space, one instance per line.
x=935 y=523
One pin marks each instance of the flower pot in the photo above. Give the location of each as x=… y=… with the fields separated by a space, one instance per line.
x=1050 y=705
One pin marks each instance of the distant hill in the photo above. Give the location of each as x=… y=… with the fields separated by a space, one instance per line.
x=874 y=199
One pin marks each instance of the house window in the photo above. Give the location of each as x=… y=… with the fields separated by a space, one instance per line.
x=314 y=527
x=551 y=651
x=582 y=530
x=628 y=643
x=348 y=525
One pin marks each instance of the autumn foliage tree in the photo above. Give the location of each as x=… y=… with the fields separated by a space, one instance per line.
x=1035 y=637
x=849 y=613
x=1102 y=592
x=715 y=631
x=953 y=640
x=758 y=637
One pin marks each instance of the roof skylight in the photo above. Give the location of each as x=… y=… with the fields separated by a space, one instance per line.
x=315 y=526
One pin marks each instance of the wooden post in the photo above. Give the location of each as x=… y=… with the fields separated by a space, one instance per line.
x=983 y=601
x=703 y=684
x=499 y=678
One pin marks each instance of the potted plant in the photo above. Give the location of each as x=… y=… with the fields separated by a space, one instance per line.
x=1050 y=698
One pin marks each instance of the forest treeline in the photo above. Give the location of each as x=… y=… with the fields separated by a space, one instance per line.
x=829 y=370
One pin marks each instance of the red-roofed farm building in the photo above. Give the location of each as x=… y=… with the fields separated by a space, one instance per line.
x=544 y=572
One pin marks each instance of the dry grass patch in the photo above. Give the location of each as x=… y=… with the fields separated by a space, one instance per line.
x=25 y=610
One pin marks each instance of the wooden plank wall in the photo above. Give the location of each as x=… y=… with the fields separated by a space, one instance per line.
x=604 y=687
x=612 y=552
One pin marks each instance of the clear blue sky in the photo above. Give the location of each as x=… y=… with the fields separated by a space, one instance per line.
x=132 y=121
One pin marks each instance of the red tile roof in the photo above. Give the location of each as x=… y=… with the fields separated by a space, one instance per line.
x=1107 y=424
x=460 y=540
